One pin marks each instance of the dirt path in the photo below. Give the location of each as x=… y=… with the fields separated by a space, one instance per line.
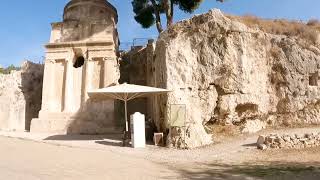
x=101 y=157
x=26 y=160
x=269 y=165
x=239 y=159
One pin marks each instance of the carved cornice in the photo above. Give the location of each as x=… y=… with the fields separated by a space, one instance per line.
x=78 y=44
x=108 y=58
x=52 y=61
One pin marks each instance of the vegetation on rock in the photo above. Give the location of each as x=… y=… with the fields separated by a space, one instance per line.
x=308 y=31
x=148 y=12
x=9 y=69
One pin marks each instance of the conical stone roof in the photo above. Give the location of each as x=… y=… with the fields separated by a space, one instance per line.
x=89 y=10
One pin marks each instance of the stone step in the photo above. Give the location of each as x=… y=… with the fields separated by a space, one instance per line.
x=60 y=115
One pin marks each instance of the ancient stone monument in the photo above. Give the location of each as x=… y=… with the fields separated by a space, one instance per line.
x=80 y=56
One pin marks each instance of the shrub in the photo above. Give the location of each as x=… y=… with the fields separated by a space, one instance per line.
x=313 y=22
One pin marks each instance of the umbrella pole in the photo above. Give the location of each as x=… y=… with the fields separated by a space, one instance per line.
x=126 y=115
x=126 y=133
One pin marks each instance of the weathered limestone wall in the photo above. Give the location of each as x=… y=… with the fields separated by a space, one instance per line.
x=137 y=67
x=133 y=70
x=225 y=72
x=20 y=97
x=134 y=66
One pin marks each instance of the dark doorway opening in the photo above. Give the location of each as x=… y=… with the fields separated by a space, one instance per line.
x=79 y=62
x=313 y=79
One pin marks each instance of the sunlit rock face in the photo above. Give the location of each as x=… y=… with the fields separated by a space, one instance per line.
x=227 y=73
x=81 y=56
x=20 y=97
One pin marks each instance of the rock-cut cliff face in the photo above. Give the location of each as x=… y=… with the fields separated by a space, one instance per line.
x=20 y=97
x=225 y=72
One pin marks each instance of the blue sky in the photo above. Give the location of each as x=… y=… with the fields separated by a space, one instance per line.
x=25 y=24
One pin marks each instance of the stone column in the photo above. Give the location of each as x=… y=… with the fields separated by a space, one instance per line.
x=48 y=90
x=109 y=71
x=88 y=78
x=48 y=87
x=68 y=89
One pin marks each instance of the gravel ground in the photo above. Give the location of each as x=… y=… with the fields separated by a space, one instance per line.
x=102 y=157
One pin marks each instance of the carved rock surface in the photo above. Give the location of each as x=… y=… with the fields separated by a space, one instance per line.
x=20 y=96
x=225 y=72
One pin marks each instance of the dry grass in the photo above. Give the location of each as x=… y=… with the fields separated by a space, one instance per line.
x=275 y=52
x=314 y=23
x=308 y=31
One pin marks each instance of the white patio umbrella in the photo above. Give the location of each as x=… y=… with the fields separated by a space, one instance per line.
x=126 y=92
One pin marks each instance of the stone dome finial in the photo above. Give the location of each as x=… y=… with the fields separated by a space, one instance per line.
x=89 y=10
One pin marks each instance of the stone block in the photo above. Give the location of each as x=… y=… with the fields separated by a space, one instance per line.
x=262 y=146
x=261 y=140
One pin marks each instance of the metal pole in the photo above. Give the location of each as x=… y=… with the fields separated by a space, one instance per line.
x=126 y=115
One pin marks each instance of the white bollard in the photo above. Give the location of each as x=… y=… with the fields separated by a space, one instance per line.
x=138 y=134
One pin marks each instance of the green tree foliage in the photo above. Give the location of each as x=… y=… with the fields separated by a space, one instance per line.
x=9 y=69
x=147 y=12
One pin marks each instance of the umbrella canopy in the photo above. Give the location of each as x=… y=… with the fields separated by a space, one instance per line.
x=126 y=92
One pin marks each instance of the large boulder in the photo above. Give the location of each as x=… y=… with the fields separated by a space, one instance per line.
x=226 y=72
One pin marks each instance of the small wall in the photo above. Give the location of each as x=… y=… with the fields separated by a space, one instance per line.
x=295 y=141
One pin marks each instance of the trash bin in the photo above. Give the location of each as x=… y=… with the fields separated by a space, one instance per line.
x=138 y=134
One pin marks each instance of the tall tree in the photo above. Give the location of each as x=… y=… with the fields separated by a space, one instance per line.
x=148 y=12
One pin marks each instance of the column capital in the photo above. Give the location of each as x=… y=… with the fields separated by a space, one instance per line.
x=108 y=58
x=90 y=60
x=52 y=61
x=69 y=60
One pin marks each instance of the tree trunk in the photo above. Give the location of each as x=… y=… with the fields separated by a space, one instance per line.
x=168 y=5
x=157 y=14
x=171 y=12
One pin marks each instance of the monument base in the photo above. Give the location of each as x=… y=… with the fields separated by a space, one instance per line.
x=68 y=123
x=58 y=126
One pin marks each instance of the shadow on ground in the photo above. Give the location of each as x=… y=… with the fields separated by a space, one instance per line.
x=109 y=143
x=83 y=137
x=107 y=139
x=269 y=171
x=250 y=145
